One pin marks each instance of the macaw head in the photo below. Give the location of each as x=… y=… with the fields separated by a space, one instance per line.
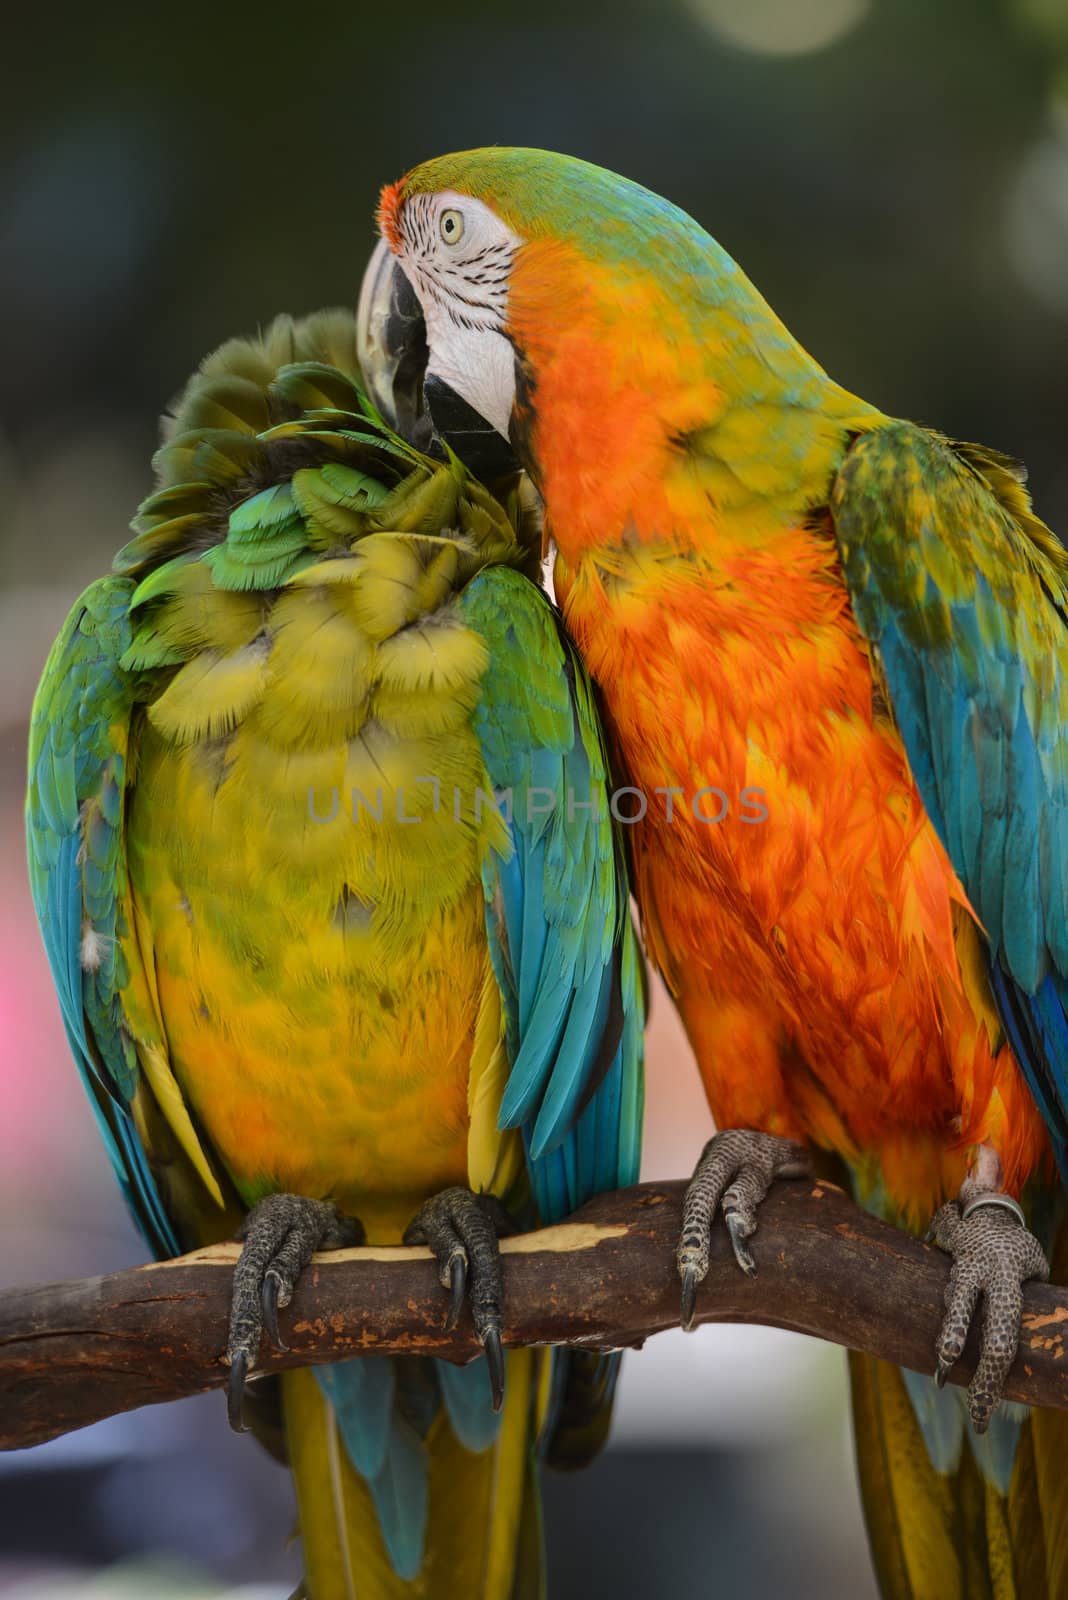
x=498 y=265
x=531 y=309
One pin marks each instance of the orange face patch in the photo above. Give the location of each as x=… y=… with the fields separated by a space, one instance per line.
x=390 y=202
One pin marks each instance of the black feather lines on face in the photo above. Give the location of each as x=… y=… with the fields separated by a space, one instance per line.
x=471 y=290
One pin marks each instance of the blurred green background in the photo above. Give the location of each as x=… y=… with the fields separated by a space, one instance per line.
x=893 y=174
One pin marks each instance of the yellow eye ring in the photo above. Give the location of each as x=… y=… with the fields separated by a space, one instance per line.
x=452 y=226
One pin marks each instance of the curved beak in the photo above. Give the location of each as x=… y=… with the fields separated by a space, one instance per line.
x=392 y=348
x=395 y=357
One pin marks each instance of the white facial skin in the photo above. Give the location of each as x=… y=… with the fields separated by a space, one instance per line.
x=457 y=255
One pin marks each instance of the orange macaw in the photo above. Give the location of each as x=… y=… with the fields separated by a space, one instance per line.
x=832 y=654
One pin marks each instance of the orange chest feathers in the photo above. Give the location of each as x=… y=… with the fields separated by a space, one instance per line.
x=793 y=891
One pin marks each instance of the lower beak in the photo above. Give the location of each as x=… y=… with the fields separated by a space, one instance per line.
x=420 y=406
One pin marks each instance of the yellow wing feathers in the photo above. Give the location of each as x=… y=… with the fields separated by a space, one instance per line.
x=305 y=845
x=494 y=1158
x=476 y=1502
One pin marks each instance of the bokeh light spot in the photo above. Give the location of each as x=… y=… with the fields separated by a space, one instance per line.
x=1036 y=220
x=781 y=27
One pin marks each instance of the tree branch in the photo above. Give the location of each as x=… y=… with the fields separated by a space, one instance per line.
x=72 y=1353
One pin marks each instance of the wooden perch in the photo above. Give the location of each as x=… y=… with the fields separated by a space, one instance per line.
x=72 y=1353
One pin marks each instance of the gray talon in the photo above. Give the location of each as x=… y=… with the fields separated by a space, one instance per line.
x=689 y=1299
x=495 y=1363
x=994 y=1255
x=739 y=1232
x=735 y=1172
x=462 y=1229
x=235 y=1390
x=281 y=1234
x=269 y=1303
x=457 y=1288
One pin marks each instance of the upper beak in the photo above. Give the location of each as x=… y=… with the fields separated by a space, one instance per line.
x=394 y=356
x=392 y=348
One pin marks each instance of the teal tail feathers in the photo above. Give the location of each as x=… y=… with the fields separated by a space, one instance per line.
x=409 y=1487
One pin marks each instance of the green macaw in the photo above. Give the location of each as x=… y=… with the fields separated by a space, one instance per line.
x=311 y=969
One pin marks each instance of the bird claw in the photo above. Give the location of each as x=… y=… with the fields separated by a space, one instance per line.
x=993 y=1255
x=495 y=1362
x=736 y=1227
x=235 y=1389
x=690 y=1280
x=270 y=1300
x=281 y=1234
x=457 y=1288
x=462 y=1229
x=736 y=1169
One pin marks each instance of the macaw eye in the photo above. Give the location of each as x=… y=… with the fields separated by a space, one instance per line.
x=452 y=226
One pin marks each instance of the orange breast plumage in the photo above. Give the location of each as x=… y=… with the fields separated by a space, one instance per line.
x=795 y=894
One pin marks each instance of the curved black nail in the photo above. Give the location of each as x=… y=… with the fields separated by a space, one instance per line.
x=235 y=1390
x=457 y=1290
x=689 y=1299
x=742 y=1253
x=269 y=1308
x=495 y=1363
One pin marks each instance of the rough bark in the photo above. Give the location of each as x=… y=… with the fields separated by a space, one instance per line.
x=72 y=1353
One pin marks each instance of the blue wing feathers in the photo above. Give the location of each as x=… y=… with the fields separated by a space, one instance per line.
x=567 y=903
x=1038 y=1032
x=977 y=673
x=578 y=1046
x=533 y=934
x=1053 y=869
x=73 y=825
